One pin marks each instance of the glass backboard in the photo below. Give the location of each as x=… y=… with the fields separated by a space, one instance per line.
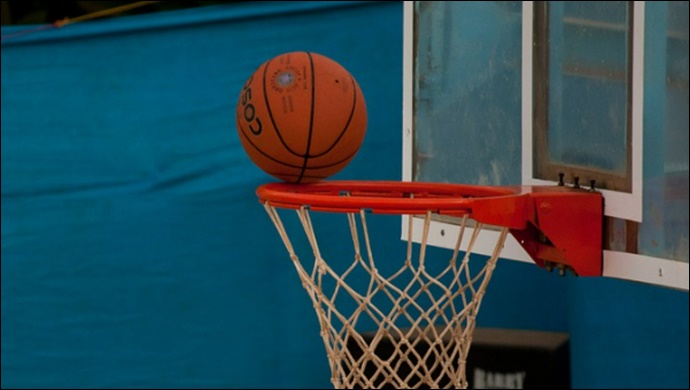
x=531 y=93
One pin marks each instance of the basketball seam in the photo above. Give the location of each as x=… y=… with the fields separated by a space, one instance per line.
x=270 y=112
x=248 y=138
x=349 y=120
x=311 y=117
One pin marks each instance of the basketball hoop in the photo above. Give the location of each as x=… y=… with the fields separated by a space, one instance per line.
x=424 y=310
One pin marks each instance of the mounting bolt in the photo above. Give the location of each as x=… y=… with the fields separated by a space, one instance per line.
x=561 y=269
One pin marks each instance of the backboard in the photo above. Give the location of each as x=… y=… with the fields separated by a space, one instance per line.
x=533 y=93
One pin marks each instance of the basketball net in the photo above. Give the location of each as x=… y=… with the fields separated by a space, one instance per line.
x=419 y=322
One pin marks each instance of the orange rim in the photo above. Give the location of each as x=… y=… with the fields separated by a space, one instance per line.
x=383 y=197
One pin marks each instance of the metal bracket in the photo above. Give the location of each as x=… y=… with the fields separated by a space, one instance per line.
x=562 y=226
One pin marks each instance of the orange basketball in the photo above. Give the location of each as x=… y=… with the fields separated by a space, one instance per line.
x=301 y=117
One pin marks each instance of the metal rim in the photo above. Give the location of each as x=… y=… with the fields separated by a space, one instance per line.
x=385 y=197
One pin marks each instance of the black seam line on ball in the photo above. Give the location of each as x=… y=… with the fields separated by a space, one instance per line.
x=311 y=118
x=268 y=156
x=270 y=113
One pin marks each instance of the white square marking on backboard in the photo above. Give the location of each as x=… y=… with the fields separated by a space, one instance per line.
x=618 y=204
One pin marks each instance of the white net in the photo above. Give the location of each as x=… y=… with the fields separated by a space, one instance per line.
x=408 y=328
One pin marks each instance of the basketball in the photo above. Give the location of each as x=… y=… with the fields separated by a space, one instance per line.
x=301 y=117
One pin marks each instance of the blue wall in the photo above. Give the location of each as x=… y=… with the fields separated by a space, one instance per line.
x=135 y=254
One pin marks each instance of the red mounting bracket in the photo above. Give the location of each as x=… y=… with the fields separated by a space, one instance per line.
x=561 y=226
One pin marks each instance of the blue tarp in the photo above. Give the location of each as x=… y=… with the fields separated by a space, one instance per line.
x=134 y=251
